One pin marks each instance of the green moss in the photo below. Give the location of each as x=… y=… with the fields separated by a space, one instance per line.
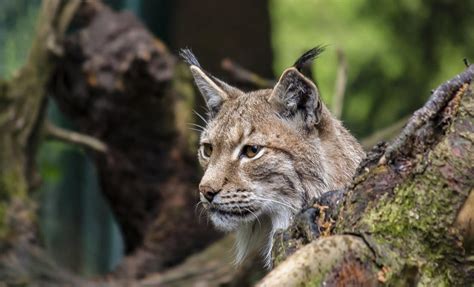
x=184 y=105
x=315 y=281
x=12 y=187
x=3 y=226
x=12 y=182
x=416 y=220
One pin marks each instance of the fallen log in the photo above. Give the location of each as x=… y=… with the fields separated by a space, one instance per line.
x=398 y=224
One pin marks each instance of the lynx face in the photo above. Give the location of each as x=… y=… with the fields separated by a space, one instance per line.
x=248 y=153
x=265 y=153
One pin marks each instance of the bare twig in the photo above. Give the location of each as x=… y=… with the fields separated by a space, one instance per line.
x=68 y=12
x=61 y=134
x=386 y=133
x=243 y=75
x=438 y=100
x=341 y=83
x=466 y=62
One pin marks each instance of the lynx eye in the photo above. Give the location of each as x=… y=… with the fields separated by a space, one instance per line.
x=251 y=151
x=206 y=150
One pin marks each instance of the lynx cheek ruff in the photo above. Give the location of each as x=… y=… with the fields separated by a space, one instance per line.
x=266 y=151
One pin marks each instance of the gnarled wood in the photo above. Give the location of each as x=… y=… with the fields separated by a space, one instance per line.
x=114 y=80
x=404 y=201
x=22 y=103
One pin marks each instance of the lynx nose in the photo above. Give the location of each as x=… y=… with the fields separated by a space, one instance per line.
x=209 y=193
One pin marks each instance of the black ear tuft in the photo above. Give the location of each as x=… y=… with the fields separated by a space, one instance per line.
x=214 y=91
x=189 y=57
x=308 y=57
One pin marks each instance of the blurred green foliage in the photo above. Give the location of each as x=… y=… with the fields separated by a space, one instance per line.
x=76 y=225
x=397 y=51
x=17 y=22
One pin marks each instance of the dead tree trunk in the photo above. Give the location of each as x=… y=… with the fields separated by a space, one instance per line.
x=397 y=224
x=121 y=85
x=22 y=105
x=125 y=91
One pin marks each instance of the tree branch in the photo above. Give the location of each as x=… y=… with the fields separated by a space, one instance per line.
x=241 y=74
x=54 y=132
x=405 y=204
x=325 y=258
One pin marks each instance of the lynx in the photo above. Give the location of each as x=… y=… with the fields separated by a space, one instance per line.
x=265 y=153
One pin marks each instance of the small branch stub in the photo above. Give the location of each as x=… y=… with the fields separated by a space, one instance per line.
x=246 y=76
x=83 y=140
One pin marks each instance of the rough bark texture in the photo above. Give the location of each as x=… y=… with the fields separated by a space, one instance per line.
x=402 y=206
x=115 y=81
x=119 y=85
x=342 y=261
x=22 y=103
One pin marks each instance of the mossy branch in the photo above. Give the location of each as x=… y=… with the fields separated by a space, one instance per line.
x=313 y=264
x=403 y=206
x=54 y=132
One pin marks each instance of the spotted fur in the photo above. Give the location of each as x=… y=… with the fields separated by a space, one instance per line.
x=305 y=152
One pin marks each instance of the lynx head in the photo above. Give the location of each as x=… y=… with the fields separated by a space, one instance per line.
x=261 y=153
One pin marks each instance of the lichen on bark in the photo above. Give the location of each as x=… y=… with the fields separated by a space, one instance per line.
x=416 y=218
x=405 y=199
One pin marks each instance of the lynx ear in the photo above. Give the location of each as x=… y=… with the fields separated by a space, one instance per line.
x=213 y=95
x=214 y=91
x=295 y=95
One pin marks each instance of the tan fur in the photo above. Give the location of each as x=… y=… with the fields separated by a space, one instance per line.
x=301 y=157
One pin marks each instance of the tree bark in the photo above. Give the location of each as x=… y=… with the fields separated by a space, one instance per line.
x=22 y=106
x=122 y=89
x=398 y=222
x=121 y=85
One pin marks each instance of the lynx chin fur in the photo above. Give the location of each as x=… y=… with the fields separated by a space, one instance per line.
x=266 y=153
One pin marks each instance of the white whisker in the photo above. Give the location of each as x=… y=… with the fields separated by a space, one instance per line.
x=201 y=211
x=256 y=217
x=197 y=206
x=201 y=117
x=198 y=130
x=206 y=216
x=196 y=125
x=205 y=107
x=276 y=201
